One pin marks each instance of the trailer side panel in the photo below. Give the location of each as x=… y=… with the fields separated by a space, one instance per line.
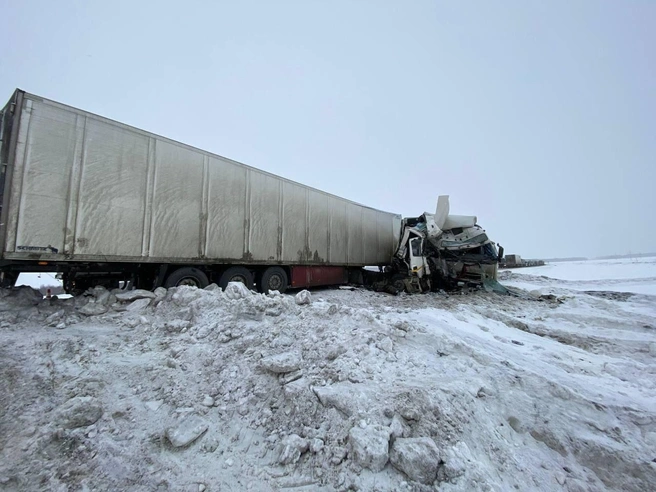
x=85 y=188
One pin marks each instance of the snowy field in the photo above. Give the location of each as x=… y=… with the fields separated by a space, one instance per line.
x=637 y=275
x=552 y=388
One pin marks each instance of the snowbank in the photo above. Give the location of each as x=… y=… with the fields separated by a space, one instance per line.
x=187 y=389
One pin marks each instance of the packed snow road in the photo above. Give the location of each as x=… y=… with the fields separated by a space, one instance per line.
x=185 y=389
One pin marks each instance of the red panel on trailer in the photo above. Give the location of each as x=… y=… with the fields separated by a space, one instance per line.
x=313 y=276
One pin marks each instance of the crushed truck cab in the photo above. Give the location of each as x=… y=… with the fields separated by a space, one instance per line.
x=442 y=251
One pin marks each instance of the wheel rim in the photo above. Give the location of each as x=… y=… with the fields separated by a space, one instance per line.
x=188 y=281
x=275 y=282
x=238 y=278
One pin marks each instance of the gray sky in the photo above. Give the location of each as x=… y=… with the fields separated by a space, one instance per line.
x=538 y=117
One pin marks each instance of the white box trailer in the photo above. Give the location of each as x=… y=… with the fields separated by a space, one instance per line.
x=99 y=200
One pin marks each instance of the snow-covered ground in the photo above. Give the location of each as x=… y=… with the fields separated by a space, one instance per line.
x=553 y=388
x=637 y=275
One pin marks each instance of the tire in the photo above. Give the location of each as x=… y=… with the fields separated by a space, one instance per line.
x=274 y=278
x=236 y=274
x=398 y=283
x=9 y=280
x=190 y=276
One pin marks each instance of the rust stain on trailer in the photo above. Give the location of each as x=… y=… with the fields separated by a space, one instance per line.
x=279 y=244
x=203 y=234
x=307 y=255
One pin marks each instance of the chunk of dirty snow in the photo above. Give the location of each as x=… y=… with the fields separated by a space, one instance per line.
x=455 y=462
x=187 y=431
x=24 y=295
x=153 y=405
x=138 y=305
x=398 y=427
x=296 y=388
x=280 y=363
x=160 y=293
x=370 y=446
x=98 y=291
x=346 y=397
x=103 y=296
x=208 y=401
x=133 y=295
x=417 y=457
x=386 y=345
x=402 y=325
x=291 y=449
x=212 y=288
x=339 y=454
x=316 y=445
x=92 y=308
x=331 y=397
x=55 y=318
x=79 y=411
x=289 y=377
x=177 y=325
x=205 y=330
x=303 y=297
x=237 y=290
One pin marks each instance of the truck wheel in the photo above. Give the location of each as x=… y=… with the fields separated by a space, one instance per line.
x=236 y=274
x=398 y=283
x=274 y=278
x=9 y=280
x=192 y=277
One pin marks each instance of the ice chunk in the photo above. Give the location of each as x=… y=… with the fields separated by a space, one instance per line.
x=187 y=431
x=133 y=295
x=92 y=308
x=303 y=297
x=79 y=411
x=280 y=363
x=370 y=446
x=138 y=305
x=237 y=290
x=291 y=449
x=417 y=457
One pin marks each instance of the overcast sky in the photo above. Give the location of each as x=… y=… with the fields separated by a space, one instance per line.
x=538 y=117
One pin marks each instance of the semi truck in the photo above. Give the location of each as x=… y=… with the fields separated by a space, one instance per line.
x=104 y=203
